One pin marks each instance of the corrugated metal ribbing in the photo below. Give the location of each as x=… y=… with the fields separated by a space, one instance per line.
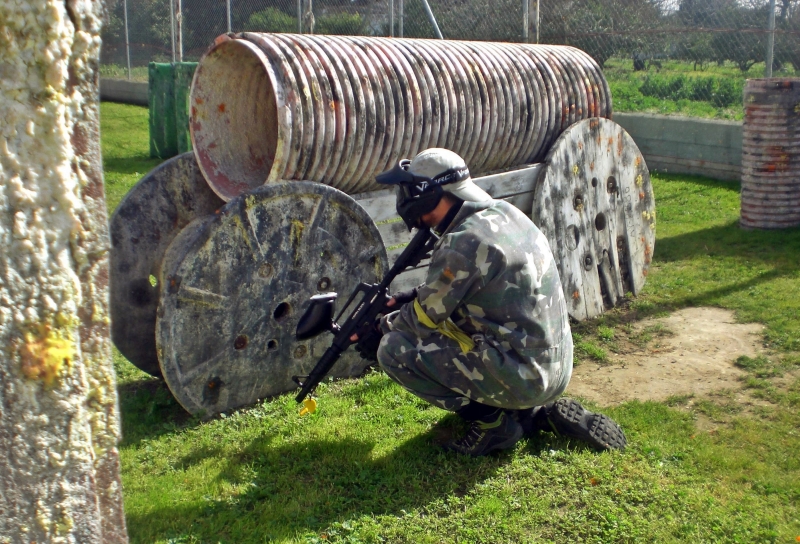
x=771 y=154
x=340 y=109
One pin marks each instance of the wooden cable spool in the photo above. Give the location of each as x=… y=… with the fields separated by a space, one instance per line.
x=231 y=292
x=594 y=202
x=141 y=228
x=231 y=299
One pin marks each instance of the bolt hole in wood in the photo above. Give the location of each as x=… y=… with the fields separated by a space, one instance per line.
x=611 y=185
x=324 y=284
x=240 y=342
x=594 y=182
x=600 y=221
x=272 y=344
x=282 y=311
x=588 y=262
x=577 y=202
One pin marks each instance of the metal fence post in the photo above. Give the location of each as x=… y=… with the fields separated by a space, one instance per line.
x=172 y=26
x=525 y=25
x=536 y=20
x=391 y=18
x=179 y=25
x=432 y=19
x=770 y=40
x=127 y=40
x=299 y=16
x=400 y=16
x=228 y=5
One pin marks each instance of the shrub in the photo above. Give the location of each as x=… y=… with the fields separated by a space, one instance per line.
x=719 y=91
x=271 y=20
x=341 y=24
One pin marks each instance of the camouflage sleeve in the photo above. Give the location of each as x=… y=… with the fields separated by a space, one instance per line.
x=451 y=279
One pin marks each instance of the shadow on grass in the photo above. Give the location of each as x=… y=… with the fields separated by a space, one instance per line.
x=307 y=486
x=149 y=410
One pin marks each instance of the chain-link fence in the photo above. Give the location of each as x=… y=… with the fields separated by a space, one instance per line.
x=669 y=56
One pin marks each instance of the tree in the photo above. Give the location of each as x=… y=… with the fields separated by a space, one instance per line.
x=59 y=421
x=605 y=28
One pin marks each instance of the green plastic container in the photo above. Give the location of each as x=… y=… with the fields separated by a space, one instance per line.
x=169 y=86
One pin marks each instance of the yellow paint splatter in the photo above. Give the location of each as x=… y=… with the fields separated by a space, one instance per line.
x=575 y=169
x=639 y=180
x=45 y=352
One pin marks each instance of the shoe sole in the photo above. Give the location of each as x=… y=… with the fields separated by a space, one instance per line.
x=572 y=419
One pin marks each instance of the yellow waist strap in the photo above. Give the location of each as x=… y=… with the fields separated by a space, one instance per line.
x=446 y=328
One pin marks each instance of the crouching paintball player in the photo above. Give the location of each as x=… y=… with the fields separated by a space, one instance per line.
x=487 y=334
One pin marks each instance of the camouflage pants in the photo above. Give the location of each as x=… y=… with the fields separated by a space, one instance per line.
x=436 y=370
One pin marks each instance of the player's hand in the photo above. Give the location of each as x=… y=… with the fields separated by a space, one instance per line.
x=403 y=297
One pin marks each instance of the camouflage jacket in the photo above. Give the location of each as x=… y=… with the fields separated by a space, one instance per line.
x=492 y=273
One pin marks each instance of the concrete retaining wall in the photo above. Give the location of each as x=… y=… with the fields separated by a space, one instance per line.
x=679 y=145
x=124 y=91
x=687 y=145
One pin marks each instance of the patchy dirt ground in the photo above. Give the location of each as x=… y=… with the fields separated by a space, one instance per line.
x=692 y=354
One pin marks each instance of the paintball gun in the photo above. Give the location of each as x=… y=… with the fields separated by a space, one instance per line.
x=318 y=317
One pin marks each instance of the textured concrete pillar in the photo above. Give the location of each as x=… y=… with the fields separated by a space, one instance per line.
x=59 y=419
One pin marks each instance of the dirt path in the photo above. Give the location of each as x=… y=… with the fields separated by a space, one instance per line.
x=696 y=358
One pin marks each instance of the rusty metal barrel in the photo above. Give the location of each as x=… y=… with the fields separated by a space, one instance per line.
x=340 y=109
x=771 y=154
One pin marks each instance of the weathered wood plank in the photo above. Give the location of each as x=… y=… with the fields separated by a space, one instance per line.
x=380 y=205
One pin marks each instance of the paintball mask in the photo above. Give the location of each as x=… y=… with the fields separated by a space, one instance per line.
x=418 y=195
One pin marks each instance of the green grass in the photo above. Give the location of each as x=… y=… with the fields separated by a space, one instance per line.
x=125 y=144
x=366 y=468
x=115 y=71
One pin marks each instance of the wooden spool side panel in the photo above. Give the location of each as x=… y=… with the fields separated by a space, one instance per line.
x=231 y=305
x=141 y=229
x=595 y=203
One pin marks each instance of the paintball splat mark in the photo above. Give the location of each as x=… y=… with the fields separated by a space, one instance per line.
x=45 y=352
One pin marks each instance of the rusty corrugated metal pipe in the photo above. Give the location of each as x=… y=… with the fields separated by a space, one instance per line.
x=770 y=194
x=340 y=109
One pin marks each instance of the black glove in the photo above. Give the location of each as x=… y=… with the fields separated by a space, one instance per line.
x=404 y=297
x=368 y=341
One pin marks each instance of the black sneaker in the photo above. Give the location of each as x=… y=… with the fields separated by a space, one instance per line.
x=569 y=418
x=500 y=431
